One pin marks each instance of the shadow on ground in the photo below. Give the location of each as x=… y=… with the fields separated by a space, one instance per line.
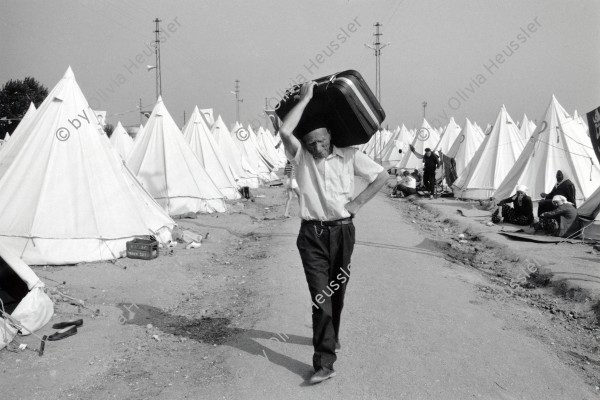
x=216 y=331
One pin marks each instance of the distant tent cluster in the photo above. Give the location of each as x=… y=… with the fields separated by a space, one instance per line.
x=70 y=194
x=493 y=162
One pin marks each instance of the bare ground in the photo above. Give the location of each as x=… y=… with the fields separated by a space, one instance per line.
x=162 y=323
x=516 y=278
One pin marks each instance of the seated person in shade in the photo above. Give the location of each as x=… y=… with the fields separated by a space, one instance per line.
x=521 y=212
x=418 y=178
x=562 y=221
x=563 y=187
x=406 y=186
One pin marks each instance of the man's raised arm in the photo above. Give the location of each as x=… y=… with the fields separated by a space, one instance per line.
x=291 y=120
x=415 y=152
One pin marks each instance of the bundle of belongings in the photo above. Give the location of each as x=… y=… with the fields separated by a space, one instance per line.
x=24 y=306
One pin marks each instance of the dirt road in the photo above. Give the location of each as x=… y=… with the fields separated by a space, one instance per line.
x=414 y=327
x=231 y=320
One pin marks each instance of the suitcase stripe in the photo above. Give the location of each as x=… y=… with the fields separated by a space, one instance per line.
x=360 y=97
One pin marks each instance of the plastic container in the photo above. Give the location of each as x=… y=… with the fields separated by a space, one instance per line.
x=142 y=248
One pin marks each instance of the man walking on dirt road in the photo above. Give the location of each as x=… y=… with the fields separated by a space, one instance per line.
x=325 y=176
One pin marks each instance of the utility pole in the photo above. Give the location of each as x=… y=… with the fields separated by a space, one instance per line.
x=141 y=113
x=377 y=47
x=157 y=53
x=183 y=117
x=237 y=100
x=424 y=107
x=266 y=116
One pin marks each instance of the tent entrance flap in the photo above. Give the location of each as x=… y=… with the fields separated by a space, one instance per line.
x=12 y=288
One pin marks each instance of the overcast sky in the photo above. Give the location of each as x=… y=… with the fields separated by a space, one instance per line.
x=464 y=57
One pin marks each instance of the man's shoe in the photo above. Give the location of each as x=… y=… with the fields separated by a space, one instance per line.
x=321 y=375
x=61 y=325
x=338 y=347
x=63 y=333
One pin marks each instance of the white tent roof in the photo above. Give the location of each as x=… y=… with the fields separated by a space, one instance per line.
x=465 y=146
x=272 y=162
x=27 y=117
x=247 y=176
x=267 y=145
x=197 y=134
x=526 y=128
x=245 y=142
x=400 y=140
x=207 y=113
x=24 y=121
x=167 y=167
x=448 y=137
x=555 y=145
x=121 y=141
x=425 y=137
x=65 y=195
x=139 y=134
x=374 y=147
x=492 y=161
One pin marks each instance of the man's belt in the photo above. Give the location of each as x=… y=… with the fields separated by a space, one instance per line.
x=343 y=221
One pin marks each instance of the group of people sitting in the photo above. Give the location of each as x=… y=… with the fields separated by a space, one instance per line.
x=557 y=212
x=407 y=183
x=411 y=183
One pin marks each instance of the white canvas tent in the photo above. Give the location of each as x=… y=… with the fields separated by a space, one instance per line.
x=527 y=127
x=274 y=145
x=465 y=146
x=27 y=117
x=272 y=162
x=22 y=297
x=425 y=137
x=391 y=155
x=555 y=145
x=267 y=148
x=202 y=143
x=139 y=134
x=589 y=215
x=207 y=113
x=167 y=167
x=448 y=136
x=64 y=194
x=121 y=141
x=247 y=176
x=492 y=161
x=246 y=144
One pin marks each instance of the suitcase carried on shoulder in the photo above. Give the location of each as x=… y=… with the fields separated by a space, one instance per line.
x=345 y=103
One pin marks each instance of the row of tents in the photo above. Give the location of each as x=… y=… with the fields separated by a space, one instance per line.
x=68 y=195
x=493 y=162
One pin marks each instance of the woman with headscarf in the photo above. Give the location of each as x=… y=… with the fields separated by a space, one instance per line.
x=563 y=187
x=521 y=212
x=564 y=215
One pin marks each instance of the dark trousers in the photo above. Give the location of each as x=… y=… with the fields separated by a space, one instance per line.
x=510 y=215
x=325 y=252
x=429 y=180
x=405 y=190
